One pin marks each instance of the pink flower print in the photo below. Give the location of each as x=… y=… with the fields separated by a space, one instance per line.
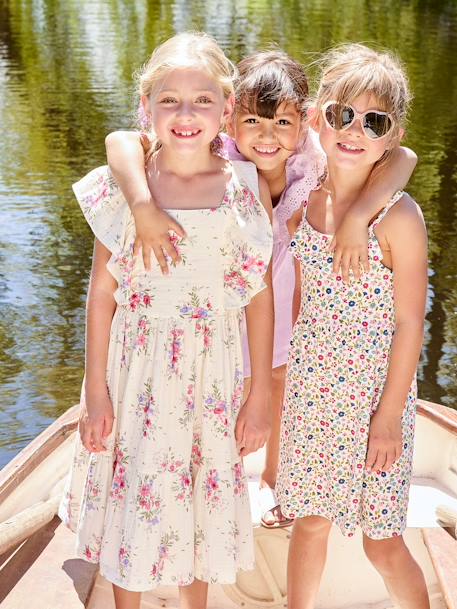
x=124 y=559
x=197 y=458
x=134 y=301
x=212 y=488
x=119 y=482
x=145 y=408
x=166 y=544
x=238 y=480
x=146 y=300
x=148 y=503
x=92 y=552
x=93 y=494
x=175 y=352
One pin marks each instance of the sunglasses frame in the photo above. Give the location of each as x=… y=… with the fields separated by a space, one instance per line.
x=357 y=116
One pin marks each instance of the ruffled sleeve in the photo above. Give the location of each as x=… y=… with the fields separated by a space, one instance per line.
x=104 y=207
x=249 y=239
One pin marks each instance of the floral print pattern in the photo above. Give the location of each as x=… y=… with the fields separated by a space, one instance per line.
x=153 y=508
x=335 y=376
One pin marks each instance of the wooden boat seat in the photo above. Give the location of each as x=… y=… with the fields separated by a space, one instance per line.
x=40 y=573
x=443 y=552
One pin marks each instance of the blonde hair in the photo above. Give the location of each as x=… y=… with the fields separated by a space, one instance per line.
x=351 y=70
x=194 y=50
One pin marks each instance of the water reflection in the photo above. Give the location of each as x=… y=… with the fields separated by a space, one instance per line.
x=65 y=81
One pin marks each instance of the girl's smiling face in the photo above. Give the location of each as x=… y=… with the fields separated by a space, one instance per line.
x=267 y=142
x=187 y=110
x=350 y=147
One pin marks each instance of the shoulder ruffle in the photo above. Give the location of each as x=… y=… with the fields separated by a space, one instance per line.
x=249 y=239
x=104 y=207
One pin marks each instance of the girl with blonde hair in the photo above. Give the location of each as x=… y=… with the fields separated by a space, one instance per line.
x=163 y=428
x=348 y=425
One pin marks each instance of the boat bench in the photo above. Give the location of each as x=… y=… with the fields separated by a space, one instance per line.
x=39 y=573
x=443 y=552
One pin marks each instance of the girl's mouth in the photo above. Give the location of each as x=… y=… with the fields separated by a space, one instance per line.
x=185 y=133
x=266 y=151
x=349 y=148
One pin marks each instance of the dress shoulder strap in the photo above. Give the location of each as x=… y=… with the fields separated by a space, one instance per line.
x=396 y=197
x=246 y=172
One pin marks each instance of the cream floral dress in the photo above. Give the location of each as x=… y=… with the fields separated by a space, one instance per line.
x=168 y=500
x=335 y=376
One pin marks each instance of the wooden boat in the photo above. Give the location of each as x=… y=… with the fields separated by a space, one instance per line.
x=37 y=567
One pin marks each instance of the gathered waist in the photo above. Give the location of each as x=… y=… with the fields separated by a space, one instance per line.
x=143 y=305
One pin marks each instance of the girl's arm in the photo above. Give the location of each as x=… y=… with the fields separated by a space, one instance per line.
x=253 y=423
x=407 y=240
x=350 y=243
x=125 y=152
x=96 y=418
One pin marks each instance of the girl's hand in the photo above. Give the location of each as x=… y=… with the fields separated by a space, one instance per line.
x=152 y=234
x=96 y=422
x=385 y=441
x=253 y=424
x=350 y=247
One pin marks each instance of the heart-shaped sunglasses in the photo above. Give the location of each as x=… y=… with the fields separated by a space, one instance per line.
x=375 y=123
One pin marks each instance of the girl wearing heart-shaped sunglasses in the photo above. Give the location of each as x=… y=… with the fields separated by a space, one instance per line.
x=348 y=425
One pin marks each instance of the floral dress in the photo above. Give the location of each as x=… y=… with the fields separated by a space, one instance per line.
x=336 y=372
x=303 y=170
x=167 y=501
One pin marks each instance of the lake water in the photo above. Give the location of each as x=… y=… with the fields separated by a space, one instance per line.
x=66 y=81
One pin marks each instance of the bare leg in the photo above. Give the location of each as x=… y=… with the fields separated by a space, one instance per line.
x=306 y=561
x=402 y=575
x=194 y=596
x=125 y=599
x=278 y=376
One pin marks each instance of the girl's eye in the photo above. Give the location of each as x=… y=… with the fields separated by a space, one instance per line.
x=283 y=122
x=168 y=100
x=204 y=100
x=251 y=121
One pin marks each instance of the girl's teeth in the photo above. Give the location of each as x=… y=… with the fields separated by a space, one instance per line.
x=186 y=133
x=349 y=147
x=266 y=149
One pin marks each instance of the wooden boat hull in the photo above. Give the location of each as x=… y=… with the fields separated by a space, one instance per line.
x=40 y=559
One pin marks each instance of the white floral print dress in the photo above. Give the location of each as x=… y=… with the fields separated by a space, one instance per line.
x=336 y=372
x=167 y=501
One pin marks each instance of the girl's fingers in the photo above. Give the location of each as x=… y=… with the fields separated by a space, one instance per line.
x=354 y=265
x=398 y=451
x=380 y=460
x=137 y=246
x=171 y=251
x=331 y=247
x=158 y=253
x=177 y=228
x=239 y=432
x=108 y=427
x=390 y=458
x=365 y=263
x=371 y=457
x=345 y=264
x=96 y=440
x=147 y=252
x=336 y=260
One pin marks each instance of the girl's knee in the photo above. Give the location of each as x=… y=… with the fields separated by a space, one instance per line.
x=312 y=525
x=384 y=554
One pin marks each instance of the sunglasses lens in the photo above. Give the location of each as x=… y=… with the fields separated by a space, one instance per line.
x=339 y=116
x=376 y=125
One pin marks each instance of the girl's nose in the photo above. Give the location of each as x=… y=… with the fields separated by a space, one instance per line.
x=185 y=110
x=356 y=128
x=268 y=131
